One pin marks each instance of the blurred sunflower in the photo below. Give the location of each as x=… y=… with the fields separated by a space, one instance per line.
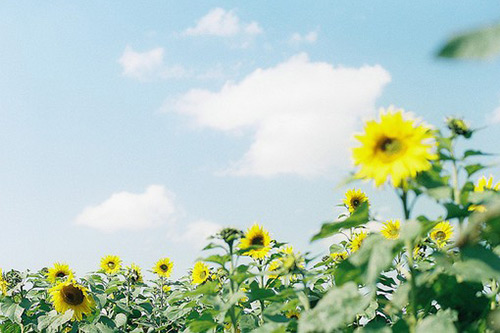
x=200 y=273
x=70 y=295
x=58 y=272
x=354 y=198
x=274 y=266
x=357 y=241
x=484 y=184
x=441 y=233
x=166 y=288
x=134 y=273
x=338 y=256
x=259 y=237
x=293 y=314
x=395 y=147
x=3 y=284
x=163 y=267
x=391 y=229
x=111 y=264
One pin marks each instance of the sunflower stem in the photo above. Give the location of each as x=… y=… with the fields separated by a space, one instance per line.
x=232 y=314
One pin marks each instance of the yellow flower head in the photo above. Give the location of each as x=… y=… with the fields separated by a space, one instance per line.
x=486 y=184
x=70 y=295
x=274 y=266
x=357 y=241
x=166 y=288
x=164 y=267
x=441 y=233
x=58 y=272
x=134 y=273
x=259 y=237
x=3 y=284
x=395 y=147
x=200 y=273
x=338 y=256
x=354 y=198
x=293 y=314
x=111 y=264
x=391 y=229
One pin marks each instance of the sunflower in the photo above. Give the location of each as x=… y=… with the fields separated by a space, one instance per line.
x=70 y=295
x=200 y=274
x=391 y=229
x=357 y=241
x=293 y=314
x=441 y=233
x=59 y=271
x=274 y=266
x=486 y=184
x=3 y=284
x=163 y=267
x=134 y=273
x=354 y=198
x=166 y=288
x=258 y=237
x=338 y=256
x=111 y=264
x=395 y=147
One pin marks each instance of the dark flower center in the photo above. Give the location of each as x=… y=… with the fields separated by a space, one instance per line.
x=60 y=274
x=164 y=267
x=72 y=295
x=355 y=202
x=440 y=235
x=203 y=275
x=390 y=146
x=111 y=264
x=258 y=240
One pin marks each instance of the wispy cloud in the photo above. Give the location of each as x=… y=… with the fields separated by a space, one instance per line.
x=130 y=211
x=148 y=65
x=222 y=23
x=301 y=114
x=195 y=233
x=310 y=38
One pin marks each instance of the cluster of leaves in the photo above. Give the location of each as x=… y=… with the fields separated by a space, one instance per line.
x=408 y=283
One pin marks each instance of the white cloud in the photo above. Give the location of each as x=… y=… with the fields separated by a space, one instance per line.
x=129 y=211
x=301 y=114
x=494 y=117
x=195 y=233
x=219 y=22
x=311 y=38
x=149 y=65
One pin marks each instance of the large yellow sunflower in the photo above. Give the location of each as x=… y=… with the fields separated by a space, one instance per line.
x=396 y=146
x=354 y=198
x=111 y=264
x=58 y=272
x=163 y=267
x=3 y=284
x=259 y=237
x=484 y=184
x=70 y=295
x=441 y=233
x=391 y=229
x=200 y=273
x=357 y=241
x=134 y=273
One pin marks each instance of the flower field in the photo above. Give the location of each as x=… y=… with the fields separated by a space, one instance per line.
x=425 y=272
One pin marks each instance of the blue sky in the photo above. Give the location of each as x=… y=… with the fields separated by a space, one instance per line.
x=134 y=129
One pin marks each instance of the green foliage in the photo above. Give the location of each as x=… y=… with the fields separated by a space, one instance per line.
x=477 y=44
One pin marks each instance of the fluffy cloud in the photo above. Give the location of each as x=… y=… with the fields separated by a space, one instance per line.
x=301 y=114
x=219 y=22
x=196 y=233
x=311 y=38
x=129 y=211
x=148 y=65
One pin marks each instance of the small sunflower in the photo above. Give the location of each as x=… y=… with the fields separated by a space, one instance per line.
x=274 y=266
x=259 y=237
x=293 y=314
x=3 y=284
x=134 y=273
x=166 y=288
x=58 y=272
x=441 y=233
x=338 y=256
x=357 y=241
x=70 y=295
x=391 y=229
x=200 y=274
x=111 y=264
x=396 y=146
x=482 y=185
x=354 y=198
x=163 y=267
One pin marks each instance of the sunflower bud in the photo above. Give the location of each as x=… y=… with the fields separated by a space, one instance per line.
x=13 y=278
x=458 y=127
x=229 y=235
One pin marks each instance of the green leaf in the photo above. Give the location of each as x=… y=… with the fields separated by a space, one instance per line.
x=10 y=327
x=455 y=211
x=476 y=44
x=442 y=321
x=120 y=320
x=440 y=193
x=479 y=264
x=471 y=152
x=217 y=259
x=359 y=217
x=336 y=309
x=203 y=323
x=473 y=168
